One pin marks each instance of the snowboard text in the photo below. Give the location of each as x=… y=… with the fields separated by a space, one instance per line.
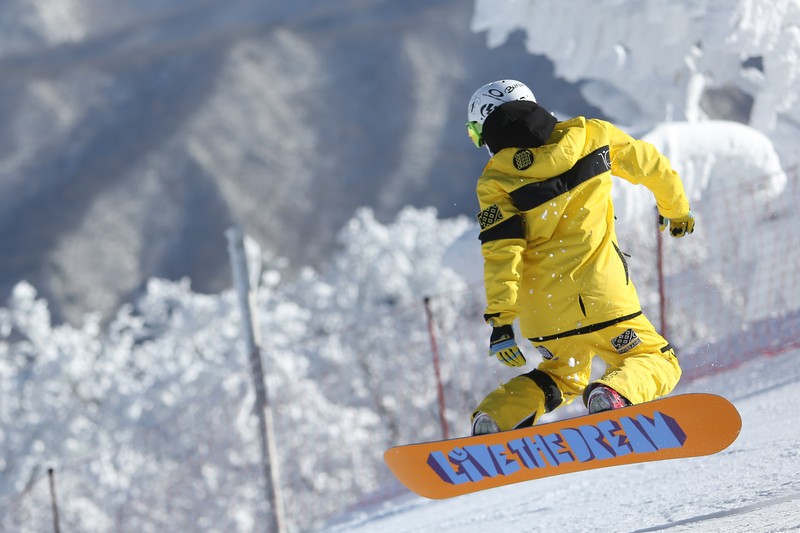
x=605 y=440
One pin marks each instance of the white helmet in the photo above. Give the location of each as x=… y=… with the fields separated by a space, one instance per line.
x=491 y=95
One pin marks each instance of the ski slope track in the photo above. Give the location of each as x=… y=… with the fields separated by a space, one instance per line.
x=753 y=486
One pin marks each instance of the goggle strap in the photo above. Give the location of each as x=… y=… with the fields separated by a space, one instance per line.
x=475 y=132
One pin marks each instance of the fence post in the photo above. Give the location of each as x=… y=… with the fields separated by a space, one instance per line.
x=53 y=501
x=436 y=368
x=238 y=259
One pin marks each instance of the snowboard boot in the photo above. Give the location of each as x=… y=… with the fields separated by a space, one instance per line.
x=483 y=424
x=604 y=398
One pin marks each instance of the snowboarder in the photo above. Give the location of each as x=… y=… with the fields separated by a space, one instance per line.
x=552 y=259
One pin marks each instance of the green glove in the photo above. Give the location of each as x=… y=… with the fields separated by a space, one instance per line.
x=678 y=227
x=503 y=346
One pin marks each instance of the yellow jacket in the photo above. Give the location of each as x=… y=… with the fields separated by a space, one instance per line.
x=550 y=249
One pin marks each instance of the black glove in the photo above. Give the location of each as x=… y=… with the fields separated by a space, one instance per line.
x=503 y=346
x=678 y=227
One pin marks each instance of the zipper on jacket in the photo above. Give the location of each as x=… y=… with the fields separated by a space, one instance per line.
x=624 y=263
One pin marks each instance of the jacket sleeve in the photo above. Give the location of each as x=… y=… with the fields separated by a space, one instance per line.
x=502 y=242
x=639 y=162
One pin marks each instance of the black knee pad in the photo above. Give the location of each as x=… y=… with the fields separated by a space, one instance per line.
x=552 y=394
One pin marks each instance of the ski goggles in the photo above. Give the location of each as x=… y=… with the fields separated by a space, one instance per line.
x=475 y=131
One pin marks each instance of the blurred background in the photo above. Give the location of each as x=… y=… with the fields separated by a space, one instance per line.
x=133 y=133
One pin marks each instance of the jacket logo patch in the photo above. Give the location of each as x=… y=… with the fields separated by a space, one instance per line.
x=523 y=159
x=606 y=158
x=489 y=216
x=626 y=342
x=545 y=353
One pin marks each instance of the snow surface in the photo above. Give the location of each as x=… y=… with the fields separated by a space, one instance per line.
x=753 y=486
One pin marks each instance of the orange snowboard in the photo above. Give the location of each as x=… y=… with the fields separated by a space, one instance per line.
x=686 y=425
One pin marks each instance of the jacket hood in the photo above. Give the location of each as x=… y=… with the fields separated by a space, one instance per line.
x=518 y=124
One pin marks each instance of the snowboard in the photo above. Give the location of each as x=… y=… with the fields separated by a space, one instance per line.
x=686 y=425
